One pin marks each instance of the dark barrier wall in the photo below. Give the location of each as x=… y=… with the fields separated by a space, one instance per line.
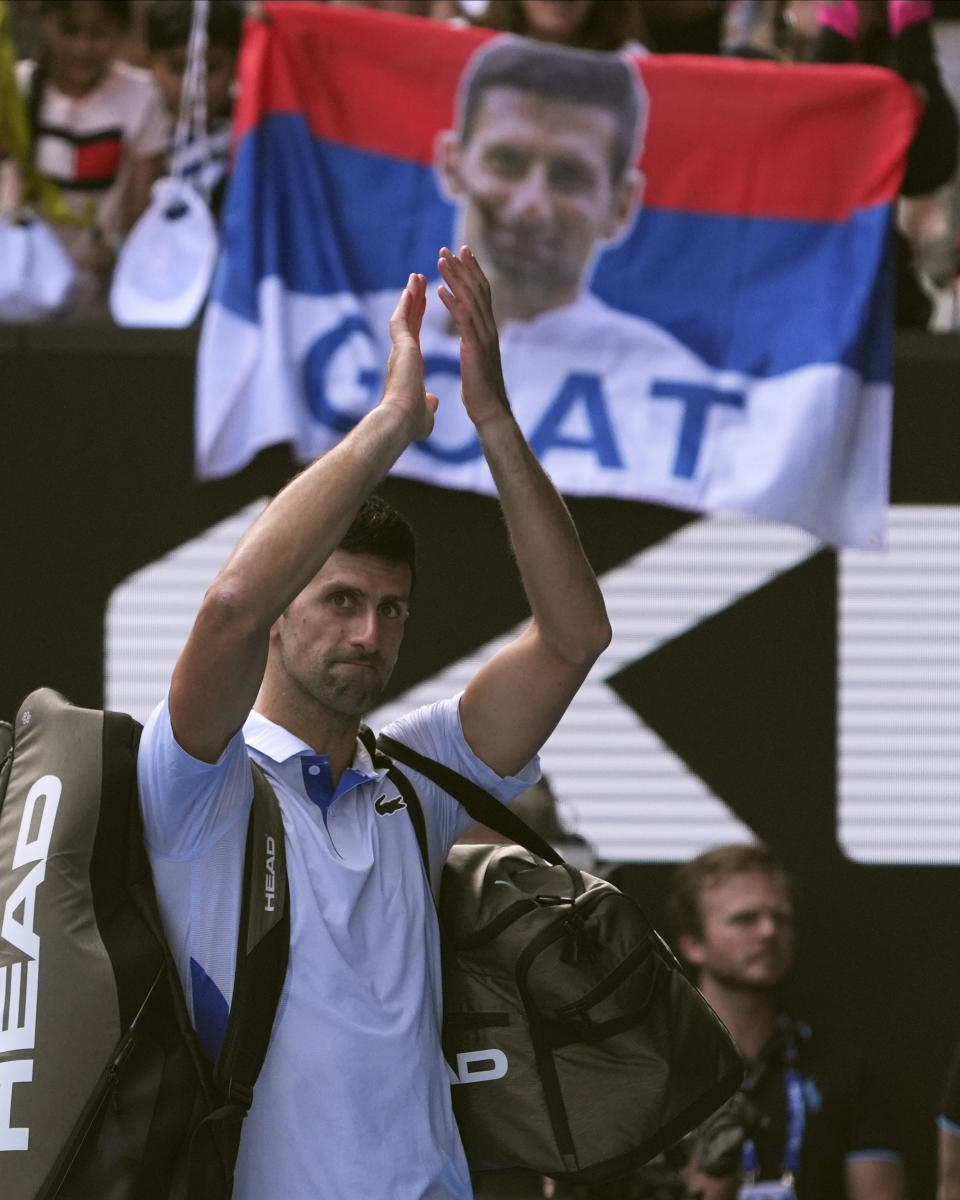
x=97 y=482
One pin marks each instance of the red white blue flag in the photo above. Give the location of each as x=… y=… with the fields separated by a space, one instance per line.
x=704 y=320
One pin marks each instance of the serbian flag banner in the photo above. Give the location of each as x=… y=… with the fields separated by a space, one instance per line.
x=690 y=260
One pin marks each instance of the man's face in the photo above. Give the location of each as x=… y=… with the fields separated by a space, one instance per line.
x=338 y=641
x=535 y=177
x=747 y=937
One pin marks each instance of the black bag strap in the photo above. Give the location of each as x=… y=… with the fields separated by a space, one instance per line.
x=262 y=949
x=263 y=942
x=478 y=803
x=404 y=787
x=263 y=946
x=6 y=756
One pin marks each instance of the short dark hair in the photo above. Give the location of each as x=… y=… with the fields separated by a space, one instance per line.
x=118 y=10
x=381 y=530
x=168 y=24
x=606 y=26
x=599 y=79
x=684 y=907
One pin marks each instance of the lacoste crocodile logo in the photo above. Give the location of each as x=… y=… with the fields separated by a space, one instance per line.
x=385 y=807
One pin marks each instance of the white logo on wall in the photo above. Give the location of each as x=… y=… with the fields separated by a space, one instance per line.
x=617 y=784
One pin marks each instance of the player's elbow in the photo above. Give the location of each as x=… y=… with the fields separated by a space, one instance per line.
x=583 y=645
x=600 y=635
x=229 y=613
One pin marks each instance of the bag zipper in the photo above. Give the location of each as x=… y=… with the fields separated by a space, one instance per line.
x=105 y=1092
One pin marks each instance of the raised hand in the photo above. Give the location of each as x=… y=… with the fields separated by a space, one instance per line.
x=405 y=387
x=465 y=293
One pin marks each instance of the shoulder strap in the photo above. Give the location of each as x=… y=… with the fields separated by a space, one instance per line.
x=6 y=756
x=262 y=949
x=263 y=945
x=404 y=787
x=479 y=804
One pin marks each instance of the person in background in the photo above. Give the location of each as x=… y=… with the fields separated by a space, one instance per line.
x=896 y=34
x=948 y=1134
x=407 y=8
x=584 y=24
x=899 y=34
x=690 y=27
x=810 y=1123
x=99 y=133
x=203 y=161
x=538 y=807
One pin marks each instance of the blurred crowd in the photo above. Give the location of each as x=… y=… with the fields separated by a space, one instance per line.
x=102 y=84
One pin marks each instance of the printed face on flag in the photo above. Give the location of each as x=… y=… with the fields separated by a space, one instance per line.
x=543 y=174
x=539 y=198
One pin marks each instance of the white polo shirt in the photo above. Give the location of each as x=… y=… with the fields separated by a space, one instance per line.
x=354 y=1098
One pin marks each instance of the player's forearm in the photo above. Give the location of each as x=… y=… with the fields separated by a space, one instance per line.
x=562 y=590
x=306 y=521
x=218 y=674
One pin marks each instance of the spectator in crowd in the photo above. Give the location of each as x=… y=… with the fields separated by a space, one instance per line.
x=587 y=24
x=690 y=27
x=811 y=1111
x=896 y=34
x=904 y=41
x=99 y=134
x=948 y=1143
x=538 y=807
x=203 y=161
x=408 y=8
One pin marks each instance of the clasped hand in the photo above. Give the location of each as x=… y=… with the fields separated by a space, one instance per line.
x=465 y=292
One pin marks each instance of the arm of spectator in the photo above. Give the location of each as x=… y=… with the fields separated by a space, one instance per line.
x=144 y=172
x=513 y=703
x=948 y=1163
x=948 y=1138
x=705 y=1187
x=874 y=1178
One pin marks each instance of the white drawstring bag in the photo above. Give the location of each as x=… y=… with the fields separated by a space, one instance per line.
x=36 y=273
x=164 y=268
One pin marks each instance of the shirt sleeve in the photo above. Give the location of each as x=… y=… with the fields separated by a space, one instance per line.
x=873 y=1133
x=949 y=1116
x=188 y=804
x=149 y=130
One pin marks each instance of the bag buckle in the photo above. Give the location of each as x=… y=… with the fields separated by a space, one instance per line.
x=239 y=1093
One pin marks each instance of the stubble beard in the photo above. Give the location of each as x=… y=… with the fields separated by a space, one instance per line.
x=349 y=695
x=771 y=983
